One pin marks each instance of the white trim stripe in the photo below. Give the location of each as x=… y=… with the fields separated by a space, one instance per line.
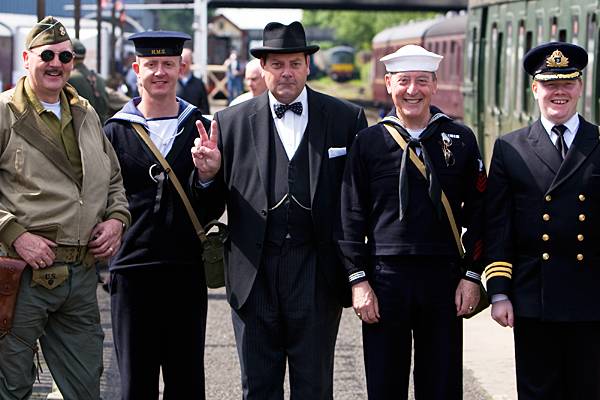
x=473 y=275
x=356 y=275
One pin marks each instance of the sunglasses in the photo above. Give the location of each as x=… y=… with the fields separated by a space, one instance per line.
x=64 y=57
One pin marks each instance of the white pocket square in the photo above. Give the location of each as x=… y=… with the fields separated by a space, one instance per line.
x=336 y=152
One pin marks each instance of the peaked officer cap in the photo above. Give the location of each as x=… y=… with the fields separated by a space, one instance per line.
x=159 y=43
x=48 y=31
x=555 y=60
x=411 y=58
x=282 y=39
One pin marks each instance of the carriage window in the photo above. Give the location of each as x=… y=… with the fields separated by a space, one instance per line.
x=509 y=67
x=471 y=55
x=540 y=31
x=553 y=28
x=529 y=103
x=575 y=29
x=492 y=65
x=519 y=105
x=498 y=73
x=592 y=26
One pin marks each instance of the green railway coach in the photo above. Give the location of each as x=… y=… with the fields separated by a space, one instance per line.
x=497 y=91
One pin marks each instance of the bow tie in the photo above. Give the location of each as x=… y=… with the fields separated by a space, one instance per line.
x=280 y=109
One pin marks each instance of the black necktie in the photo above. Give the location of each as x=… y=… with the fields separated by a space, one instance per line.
x=280 y=109
x=561 y=145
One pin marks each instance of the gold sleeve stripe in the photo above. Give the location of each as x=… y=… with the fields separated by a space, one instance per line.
x=495 y=274
x=498 y=269
x=498 y=264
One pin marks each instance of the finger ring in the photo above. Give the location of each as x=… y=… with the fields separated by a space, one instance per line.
x=110 y=249
x=42 y=263
x=358 y=314
x=470 y=308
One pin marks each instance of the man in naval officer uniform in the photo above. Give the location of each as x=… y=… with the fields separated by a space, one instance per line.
x=280 y=160
x=542 y=238
x=158 y=290
x=409 y=281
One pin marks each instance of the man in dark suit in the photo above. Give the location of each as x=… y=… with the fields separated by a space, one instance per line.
x=280 y=159
x=191 y=88
x=542 y=240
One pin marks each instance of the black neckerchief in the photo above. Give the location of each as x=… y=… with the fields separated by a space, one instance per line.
x=434 y=187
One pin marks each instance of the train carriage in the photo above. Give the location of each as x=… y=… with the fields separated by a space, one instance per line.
x=442 y=35
x=497 y=90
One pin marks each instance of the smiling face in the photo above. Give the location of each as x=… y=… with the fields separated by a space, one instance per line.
x=157 y=76
x=285 y=75
x=411 y=93
x=557 y=99
x=47 y=79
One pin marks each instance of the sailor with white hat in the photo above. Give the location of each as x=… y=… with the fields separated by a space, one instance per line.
x=410 y=280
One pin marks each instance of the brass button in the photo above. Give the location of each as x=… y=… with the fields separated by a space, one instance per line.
x=546 y=217
x=580 y=237
x=548 y=198
x=581 y=197
x=582 y=217
x=546 y=256
x=545 y=237
x=579 y=257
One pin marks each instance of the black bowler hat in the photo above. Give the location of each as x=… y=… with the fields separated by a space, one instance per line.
x=159 y=43
x=555 y=60
x=279 y=38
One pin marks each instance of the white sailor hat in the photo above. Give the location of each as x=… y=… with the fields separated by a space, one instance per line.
x=411 y=58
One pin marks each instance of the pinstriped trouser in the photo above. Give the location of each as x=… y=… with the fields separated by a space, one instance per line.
x=290 y=315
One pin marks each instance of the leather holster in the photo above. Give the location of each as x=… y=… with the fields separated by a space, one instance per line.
x=11 y=270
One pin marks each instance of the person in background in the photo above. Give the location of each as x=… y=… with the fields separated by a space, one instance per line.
x=88 y=83
x=157 y=285
x=254 y=81
x=62 y=206
x=279 y=159
x=409 y=279
x=234 y=71
x=191 y=88
x=542 y=236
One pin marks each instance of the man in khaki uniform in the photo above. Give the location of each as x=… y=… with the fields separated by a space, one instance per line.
x=62 y=204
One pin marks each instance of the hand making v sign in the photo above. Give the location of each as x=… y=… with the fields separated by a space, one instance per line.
x=205 y=153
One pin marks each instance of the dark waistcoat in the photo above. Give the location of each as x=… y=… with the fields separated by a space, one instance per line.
x=289 y=193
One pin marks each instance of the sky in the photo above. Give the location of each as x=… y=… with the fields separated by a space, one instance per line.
x=257 y=18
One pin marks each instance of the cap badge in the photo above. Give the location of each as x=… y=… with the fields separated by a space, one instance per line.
x=61 y=30
x=557 y=60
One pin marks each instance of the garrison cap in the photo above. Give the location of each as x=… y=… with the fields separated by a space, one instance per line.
x=555 y=60
x=411 y=58
x=78 y=49
x=159 y=43
x=47 y=31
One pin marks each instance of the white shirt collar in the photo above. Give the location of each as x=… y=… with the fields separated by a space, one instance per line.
x=572 y=124
x=302 y=98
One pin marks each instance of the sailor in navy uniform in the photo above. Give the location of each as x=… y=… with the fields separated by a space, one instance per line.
x=408 y=280
x=541 y=234
x=158 y=289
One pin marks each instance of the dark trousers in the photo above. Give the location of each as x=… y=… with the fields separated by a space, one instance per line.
x=416 y=301
x=557 y=360
x=290 y=315
x=159 y=321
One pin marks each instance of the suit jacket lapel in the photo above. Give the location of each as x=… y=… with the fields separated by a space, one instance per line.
x=316 y=129
x=260 y=121
x=543 y=147
x=31 y=127
x=584 y=143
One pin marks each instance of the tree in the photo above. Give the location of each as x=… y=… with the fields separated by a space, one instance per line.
x=357 y=28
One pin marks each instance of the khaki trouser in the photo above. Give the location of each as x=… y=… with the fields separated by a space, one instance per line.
x=66 y=321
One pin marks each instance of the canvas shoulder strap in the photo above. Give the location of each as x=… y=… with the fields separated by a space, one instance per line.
x=186 y=202
x=421 y=167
